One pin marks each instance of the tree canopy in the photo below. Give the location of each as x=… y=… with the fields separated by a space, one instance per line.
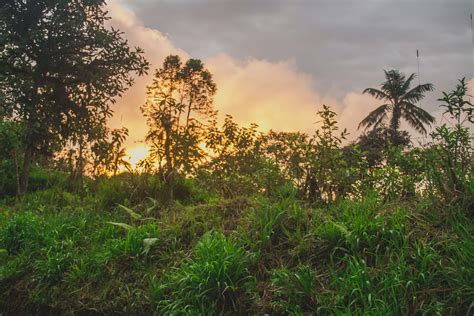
x=61 y=69
x=400 y=102
x=179 y=101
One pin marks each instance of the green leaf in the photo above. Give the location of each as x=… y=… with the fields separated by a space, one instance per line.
x=131 y=212
x=123 y=225
x=148 y=243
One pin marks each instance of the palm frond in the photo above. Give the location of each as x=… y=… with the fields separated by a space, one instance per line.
x=376 y=117
x=392 y=86
x=417 y=117
x=407 y=83
x=414 y=122
x=417 y=93
x=378 y=94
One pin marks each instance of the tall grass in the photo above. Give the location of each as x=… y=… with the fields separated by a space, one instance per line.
x=240 y=256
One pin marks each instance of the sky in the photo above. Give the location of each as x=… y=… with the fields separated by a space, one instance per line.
x=275 y=62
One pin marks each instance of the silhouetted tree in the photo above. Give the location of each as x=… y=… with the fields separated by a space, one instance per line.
x=235 y=161
x=376 y=142
x=400 y=103
x=178 y=100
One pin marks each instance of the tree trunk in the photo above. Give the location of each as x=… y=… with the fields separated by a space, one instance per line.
x=25 y=171
x=17 y=176
x=395 y=124
x=395 y=121
x=169 y=168
x=81 y=171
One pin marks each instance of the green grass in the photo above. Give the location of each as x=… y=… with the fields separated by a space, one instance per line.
x=239 y=256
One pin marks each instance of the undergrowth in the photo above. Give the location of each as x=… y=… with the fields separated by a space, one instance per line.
x=250 y=255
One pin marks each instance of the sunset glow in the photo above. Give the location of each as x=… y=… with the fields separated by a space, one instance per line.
x=274 y=93
x=136 y=154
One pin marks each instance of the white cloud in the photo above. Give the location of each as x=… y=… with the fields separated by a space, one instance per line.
x=157 y=46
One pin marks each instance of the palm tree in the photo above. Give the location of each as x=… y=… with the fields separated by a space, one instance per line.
x=400 y=102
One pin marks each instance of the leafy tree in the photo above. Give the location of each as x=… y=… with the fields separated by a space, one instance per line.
x=289 y=151
x=400 y=102
x=103 y=154
x=178 y=100
x=59 y=65
x=237 y=165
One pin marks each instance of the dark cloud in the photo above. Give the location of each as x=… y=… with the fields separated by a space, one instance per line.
x=343 y=44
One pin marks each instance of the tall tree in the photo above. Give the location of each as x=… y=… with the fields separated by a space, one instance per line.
x=179 y=101
x=59 y=65
x=400 y=102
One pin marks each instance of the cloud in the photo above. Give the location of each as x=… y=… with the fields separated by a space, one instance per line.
x=278 y=96
x=157 y=46
x=275 y=94
x=354 y=108
x=344 y=45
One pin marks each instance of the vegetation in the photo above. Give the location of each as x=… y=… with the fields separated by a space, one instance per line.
x=401 y=103
x=60 y=70
x=219 y=219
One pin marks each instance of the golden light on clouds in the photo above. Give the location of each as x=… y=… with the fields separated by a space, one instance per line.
x=275 y=95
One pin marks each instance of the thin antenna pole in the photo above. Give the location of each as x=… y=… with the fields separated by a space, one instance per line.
x=418 y=65
x=472 y=53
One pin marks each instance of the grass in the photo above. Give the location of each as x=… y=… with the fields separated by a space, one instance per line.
x=247 y=255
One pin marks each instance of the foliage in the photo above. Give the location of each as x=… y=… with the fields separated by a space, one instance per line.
x=208 y=282
x=179 y=98
x=294 y=290
x=327 y=176
x=401 y=102
x=376 y=143
x=450 y=159
x=236 y=165
x=278 y=257
x=60 y=70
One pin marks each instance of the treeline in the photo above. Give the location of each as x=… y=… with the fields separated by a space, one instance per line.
x=62 y=71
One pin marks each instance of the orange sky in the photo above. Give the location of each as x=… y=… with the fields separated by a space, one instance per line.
x=275 y=95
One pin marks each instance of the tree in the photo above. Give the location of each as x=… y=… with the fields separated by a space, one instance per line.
x=10 y=147
x=59 y=66
x=376 y=143
x=400 y=103
x=236 y=164
x=289 y=150
x=178 y=100
x=108 y=152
